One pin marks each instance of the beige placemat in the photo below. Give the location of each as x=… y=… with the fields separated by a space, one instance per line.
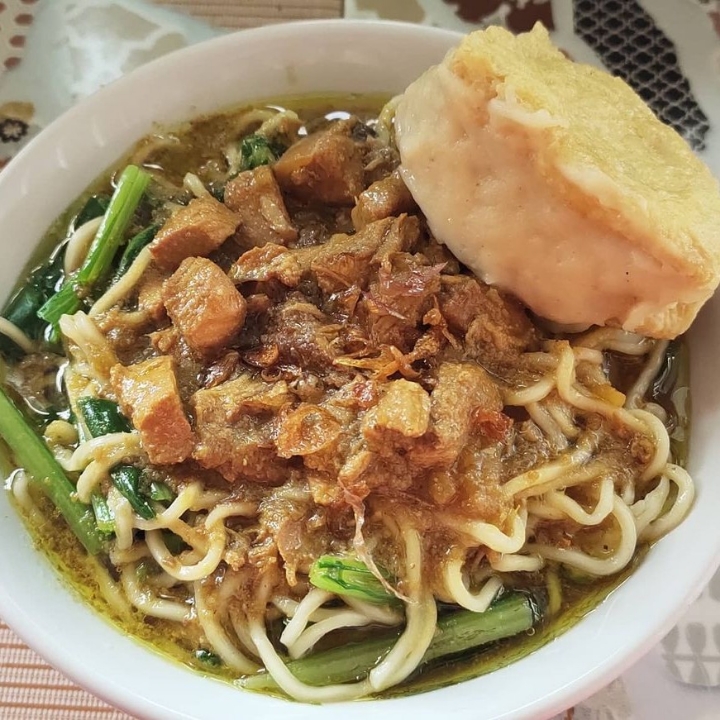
x=32 y=690
x=234 y=14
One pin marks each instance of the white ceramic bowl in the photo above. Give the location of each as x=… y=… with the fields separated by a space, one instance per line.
x=288 y=59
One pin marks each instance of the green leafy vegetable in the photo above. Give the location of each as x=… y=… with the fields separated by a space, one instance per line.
x=133 y=248
x=65 y=302
x=146 y=568
x=93 y=208
x=22 y=310
x=103 y=515
x=109 y=237
x=161 y=492
x=256 y=150
x=348 y=576
x=32 y=454
x=456 y=632
x=174 y=543
x=208 y=658
x=126 y=479
x=102 y=417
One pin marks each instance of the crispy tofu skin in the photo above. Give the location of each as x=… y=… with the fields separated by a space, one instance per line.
x=554 y=181
x=148 y=393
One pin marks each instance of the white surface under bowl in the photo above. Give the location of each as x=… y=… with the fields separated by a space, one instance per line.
x=327 y=56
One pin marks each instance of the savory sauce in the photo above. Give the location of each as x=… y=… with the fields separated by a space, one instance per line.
x=513 y=440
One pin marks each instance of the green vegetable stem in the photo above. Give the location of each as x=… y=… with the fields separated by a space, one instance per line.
x=128 y=193
x=348 y=576
x=456 y=632
x=33 y=455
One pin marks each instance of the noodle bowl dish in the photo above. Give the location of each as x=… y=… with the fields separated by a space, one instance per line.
x=286 y=424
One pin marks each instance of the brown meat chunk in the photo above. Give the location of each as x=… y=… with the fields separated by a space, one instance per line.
x=367 y=470
x=380 y=159
x=306 y=430
x=221 y=370
x=384 y=198
x=303 y=335
x=398 y=300
x=188 y=365
x=402 y=413
x=235 y=425
x=322 y=434
x=341 y=262
x=462 y=300
x=476 y=480
x=270 y=262
x=461 y=390
x=298 y=529
x=204 y=305
x=196 y=230
x=148 y=394
x=255 y=196
x=149 y=294
x=495 y=327
x=325 y=167
x=347 y=260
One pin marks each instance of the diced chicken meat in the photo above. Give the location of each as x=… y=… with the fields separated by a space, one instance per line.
x=306 y=430
x=402 y=413
x=298 y=528
x=461 y=390
x=196 y=230
x=149 y=294
x=343 y=261
x=398 y=300
x=384 y=198
x=325 y=167
x=495 y=328
x=204 y=305
x=302 y=335
x=148 y=394
x=235 y=425
x=255 y=196
x=348 y=260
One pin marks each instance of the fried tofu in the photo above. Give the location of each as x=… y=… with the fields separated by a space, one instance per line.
x=554 y=181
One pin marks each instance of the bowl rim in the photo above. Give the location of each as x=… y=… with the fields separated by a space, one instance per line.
x=574 y=683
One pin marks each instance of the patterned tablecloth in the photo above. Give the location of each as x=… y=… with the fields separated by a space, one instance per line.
x=52 y=53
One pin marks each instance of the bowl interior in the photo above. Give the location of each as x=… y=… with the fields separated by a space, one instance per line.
x=327 y=56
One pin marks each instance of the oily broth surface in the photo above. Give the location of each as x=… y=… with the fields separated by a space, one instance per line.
x=80 y=572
